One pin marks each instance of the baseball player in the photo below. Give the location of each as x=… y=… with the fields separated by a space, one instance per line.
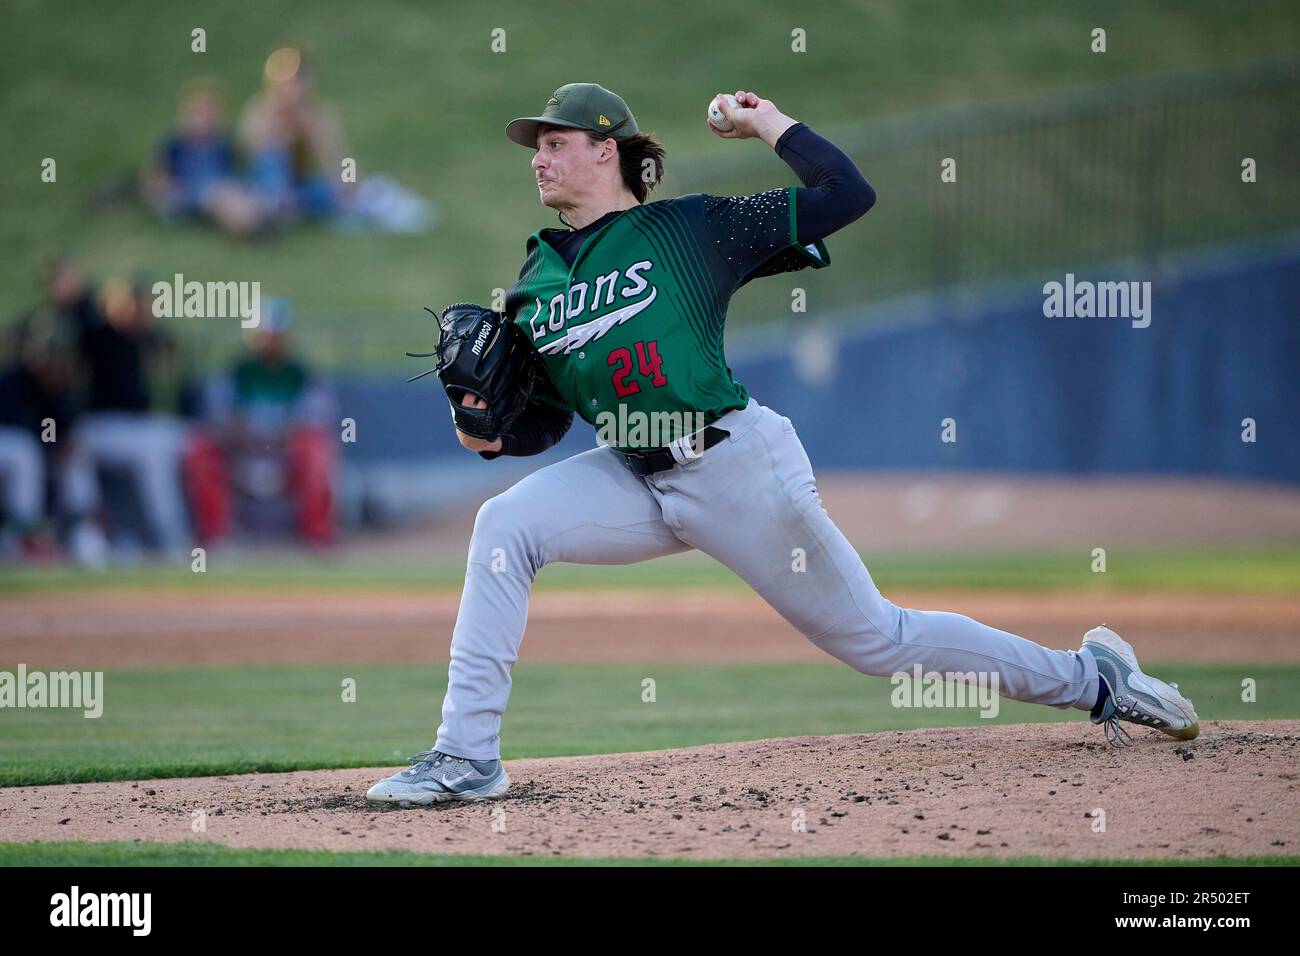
x=623 y=309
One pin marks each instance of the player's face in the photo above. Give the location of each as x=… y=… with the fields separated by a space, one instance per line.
x=564 y=164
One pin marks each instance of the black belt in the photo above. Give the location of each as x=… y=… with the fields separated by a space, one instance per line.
x=647 y=462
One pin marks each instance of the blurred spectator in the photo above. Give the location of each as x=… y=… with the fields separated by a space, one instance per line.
x=131 y=368
x=33 y=398
x=37 y=416
x=193 y=174
x=68 y=291
x=270 y=437
x=38 y=451
x=292 y=141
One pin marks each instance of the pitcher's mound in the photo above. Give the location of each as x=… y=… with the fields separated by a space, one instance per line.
x=1053 y=790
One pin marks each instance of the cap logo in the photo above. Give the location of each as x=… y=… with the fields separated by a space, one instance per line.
x=603 y=120
x=552 y=102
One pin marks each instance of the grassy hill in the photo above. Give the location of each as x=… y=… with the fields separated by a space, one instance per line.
x=424 y=99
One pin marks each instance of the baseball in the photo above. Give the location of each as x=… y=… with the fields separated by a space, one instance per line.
x=717 y=118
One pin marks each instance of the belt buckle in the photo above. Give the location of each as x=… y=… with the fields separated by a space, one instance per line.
x=636 y=464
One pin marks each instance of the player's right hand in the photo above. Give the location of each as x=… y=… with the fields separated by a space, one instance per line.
x=743 y=116
x=469 y=441
x=753 y=117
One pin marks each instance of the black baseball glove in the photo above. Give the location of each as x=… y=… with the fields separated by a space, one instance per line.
x=483 y=353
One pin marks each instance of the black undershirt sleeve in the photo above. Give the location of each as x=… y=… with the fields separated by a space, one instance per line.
x=752 y=234
x=834 y=191
x=540 y=426
x=543 y=422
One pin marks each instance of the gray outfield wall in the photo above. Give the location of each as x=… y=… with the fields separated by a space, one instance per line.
x=1061 y=395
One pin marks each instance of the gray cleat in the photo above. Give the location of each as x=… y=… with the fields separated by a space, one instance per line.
x=435 y=777
x=1134 y=696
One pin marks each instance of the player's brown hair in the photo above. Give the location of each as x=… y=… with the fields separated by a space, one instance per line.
x=640 y=161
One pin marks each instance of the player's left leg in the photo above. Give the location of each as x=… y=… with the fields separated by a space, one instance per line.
x=588 y=509
x=751 y=502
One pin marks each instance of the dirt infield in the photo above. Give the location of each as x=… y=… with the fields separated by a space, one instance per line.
x=1050 y=790
x=131 y=628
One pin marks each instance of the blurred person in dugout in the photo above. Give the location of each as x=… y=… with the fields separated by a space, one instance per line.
x=42 y=460
x=268 y=436
x=135 y=386
x=292 y=141
x=193 y=173
x=36 y=421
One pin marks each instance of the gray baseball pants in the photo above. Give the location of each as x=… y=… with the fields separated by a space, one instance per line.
x=751 y=503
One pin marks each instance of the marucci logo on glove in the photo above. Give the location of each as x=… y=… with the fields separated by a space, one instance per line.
x=483 y=334
x=498 y=367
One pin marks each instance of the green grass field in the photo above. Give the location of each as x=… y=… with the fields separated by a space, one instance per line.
x=424 y=99
x=202 y=721
x=208 y=854
x=1235 y=569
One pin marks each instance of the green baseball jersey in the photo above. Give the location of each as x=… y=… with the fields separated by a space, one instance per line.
x=632 y=332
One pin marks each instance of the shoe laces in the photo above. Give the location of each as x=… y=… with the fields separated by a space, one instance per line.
x=1126 y=709
x=1115 y=734
x=427 y=759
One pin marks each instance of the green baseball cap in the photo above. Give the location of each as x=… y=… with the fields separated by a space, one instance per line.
x=578 y=106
